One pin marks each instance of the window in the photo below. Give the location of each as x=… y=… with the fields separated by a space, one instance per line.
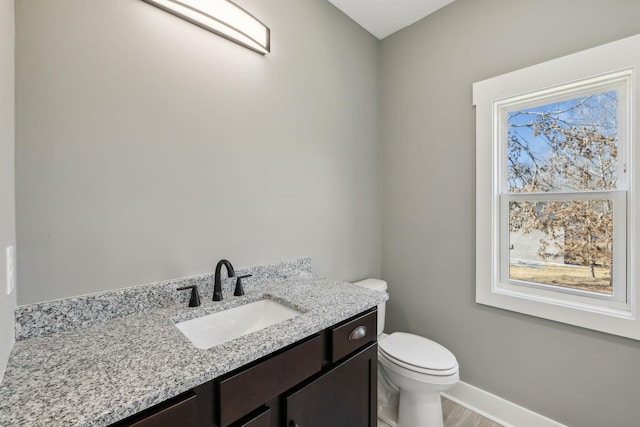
x=556 y=189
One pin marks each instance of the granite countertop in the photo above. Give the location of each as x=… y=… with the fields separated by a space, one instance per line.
x=98 y=374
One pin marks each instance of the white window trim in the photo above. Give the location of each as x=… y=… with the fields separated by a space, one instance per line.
x=616 y=318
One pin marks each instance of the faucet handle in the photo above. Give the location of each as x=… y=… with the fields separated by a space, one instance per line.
x=194 y=301
x=239 y=290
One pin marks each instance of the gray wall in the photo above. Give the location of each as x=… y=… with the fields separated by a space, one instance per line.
x=7 y=195
x=578 y=377
x=148 y=148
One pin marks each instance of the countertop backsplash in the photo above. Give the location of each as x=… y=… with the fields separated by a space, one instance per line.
x=46 y=318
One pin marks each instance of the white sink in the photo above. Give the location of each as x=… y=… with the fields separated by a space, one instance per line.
x=223 y=326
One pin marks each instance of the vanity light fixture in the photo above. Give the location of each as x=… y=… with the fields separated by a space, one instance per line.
x=223 y=18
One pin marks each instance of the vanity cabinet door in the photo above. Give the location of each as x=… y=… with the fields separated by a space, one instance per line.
x=345 y=396
x=261 y=419
x=244 y=391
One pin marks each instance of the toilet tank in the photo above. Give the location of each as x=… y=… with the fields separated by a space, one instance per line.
x=376 y=285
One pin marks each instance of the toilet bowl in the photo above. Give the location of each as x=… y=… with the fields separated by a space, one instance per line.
x=412 y=371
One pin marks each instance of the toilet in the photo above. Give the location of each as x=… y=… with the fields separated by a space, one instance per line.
x=412 y=371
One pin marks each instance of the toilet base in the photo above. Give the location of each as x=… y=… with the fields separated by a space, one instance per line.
x=420 y=410
x=388 y=415
x=427 y=410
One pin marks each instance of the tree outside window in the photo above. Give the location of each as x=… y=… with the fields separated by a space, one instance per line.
x=564 y=147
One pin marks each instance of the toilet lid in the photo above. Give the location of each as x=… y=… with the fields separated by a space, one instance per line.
x=418 y=354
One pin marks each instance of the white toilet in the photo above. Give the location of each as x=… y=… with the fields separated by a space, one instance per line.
x=412 y=371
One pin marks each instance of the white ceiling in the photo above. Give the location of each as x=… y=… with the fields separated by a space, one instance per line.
x=384 y=17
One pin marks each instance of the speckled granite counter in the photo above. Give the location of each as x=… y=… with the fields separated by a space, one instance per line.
x=98 y=374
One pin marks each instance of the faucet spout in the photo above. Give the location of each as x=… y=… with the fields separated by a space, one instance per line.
x=217 y=282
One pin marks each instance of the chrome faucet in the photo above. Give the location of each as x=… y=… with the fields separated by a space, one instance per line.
x=217 y=283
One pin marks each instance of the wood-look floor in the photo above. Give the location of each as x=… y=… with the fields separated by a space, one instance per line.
x=458 y=416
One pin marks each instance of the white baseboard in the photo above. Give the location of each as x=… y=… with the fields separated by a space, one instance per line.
x=496 y=408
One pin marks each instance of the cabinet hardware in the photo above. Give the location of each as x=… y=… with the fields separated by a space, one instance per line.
x=358 y=333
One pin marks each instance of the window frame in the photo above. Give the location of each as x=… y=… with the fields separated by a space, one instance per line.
x=600 y=67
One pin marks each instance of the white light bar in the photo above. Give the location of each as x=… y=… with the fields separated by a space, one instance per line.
x=222 y=17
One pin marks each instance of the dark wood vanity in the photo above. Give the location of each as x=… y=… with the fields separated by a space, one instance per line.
x=327 y=379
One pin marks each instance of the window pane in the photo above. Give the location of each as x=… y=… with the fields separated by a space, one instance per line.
x=565 y=243
x=564 y=146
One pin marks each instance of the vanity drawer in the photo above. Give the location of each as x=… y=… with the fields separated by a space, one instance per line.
x=252 y=387
x=353 y=334
x=181 y=410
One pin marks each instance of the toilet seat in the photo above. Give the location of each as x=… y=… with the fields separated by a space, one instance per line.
x=418 y=354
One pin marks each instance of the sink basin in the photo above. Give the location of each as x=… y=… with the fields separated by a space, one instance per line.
x=217 y=328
